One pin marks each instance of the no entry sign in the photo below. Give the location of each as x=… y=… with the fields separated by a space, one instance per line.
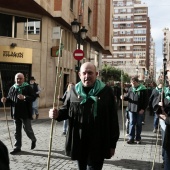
x=78 y=54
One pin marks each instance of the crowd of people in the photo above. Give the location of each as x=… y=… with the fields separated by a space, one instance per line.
x=89 y=112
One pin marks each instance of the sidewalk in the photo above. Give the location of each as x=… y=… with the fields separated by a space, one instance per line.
x=127 y=157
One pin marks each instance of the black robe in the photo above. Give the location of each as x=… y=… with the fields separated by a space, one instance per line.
x=98 y=135
x=21 y=108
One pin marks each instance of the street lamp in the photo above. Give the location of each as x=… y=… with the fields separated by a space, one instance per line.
x=79 y=34
x=164 y=62
x=137 y=69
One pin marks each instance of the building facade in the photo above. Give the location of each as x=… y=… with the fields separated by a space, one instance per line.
x=131 y=38
x=28 y=43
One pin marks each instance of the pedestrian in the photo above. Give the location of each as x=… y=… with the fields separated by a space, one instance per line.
x=21 y=96
x=165 y=115
x=93 y=129
x=154 y=97
x=65 y=123
x=137 y=103
x=37 y=91
x=127 y=121
x=153 y=85
x=4 y=157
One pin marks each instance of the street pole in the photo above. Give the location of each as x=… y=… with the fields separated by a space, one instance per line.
x=80 y=35
x=78 y=61
x=164 y=69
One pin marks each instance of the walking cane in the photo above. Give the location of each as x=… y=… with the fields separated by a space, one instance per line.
x=122 y=104
x=54 y=104
x=5 y=110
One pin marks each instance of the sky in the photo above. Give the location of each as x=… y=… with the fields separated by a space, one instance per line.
x=159 y=14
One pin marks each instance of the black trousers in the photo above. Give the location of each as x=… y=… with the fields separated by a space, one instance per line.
x=87 y=164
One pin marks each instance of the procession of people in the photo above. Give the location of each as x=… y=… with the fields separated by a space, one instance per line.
x=90 y=108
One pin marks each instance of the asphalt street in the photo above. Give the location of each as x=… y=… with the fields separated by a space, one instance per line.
x=146 y=156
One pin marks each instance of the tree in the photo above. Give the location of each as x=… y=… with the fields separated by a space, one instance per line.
x=110 y=73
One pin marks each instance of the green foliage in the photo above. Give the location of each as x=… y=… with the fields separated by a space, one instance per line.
x=109 y=73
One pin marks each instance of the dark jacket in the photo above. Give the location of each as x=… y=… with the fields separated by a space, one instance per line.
x=100 y=133
x=35 y=89
x=166 y=144
x=21 y=108
x=4 y=157
x=136 y=100
x=154 y=98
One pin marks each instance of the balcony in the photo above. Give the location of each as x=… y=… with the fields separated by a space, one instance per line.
x=140 y=12
x=139 y=49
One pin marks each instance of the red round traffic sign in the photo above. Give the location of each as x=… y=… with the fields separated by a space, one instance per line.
x=78 y=54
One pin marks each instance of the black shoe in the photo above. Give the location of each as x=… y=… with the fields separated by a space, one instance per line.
x=33 y=144
x=130 y=141
x=138 y=142
x=64 y=133
x=15 y=151
x=37 y=115
x=163 y=164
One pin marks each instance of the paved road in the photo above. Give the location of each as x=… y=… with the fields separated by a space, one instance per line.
x=127 y=157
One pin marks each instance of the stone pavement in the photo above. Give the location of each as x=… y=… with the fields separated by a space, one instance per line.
x=127 y=157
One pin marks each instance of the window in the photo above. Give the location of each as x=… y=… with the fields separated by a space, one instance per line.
x=25 y=28
x=128 y=18
x=89 y=16
x=115 y=33
x=128 y=40
x=140 y=31
x=115 y=40
x=129 y=10
x=122 y=32
x=129 y=3
x=139 y=39
x=122 y=39
x=116 y=11
x=71 y=5
x=6 y=25
x=116 y=18
x=120 y=3
x=128 y=25
x=115 y=25
x=128 y=32
x=122 y=10
x=128 y=47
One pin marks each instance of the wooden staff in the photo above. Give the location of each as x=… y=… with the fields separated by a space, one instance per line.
x=60 y=78
x=54 y=103
x=5 y=110
x=123 y=121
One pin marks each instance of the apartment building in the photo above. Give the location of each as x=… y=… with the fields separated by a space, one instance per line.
x=28 y=42
x=131 y=38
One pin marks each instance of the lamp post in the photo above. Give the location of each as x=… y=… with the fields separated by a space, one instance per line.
x=137 y=69
x=164 y=69
x=79 y=34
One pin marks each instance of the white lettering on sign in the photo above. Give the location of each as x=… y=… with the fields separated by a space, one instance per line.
x=78 y=54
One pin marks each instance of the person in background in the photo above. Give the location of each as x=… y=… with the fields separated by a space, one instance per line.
x=154 y=96
x=65 y=123
x=164 y=113
x=37 y=91
x=21 y=96
x=93 y=129
x=153 y=85
x=137 y=104
x=4 y=157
